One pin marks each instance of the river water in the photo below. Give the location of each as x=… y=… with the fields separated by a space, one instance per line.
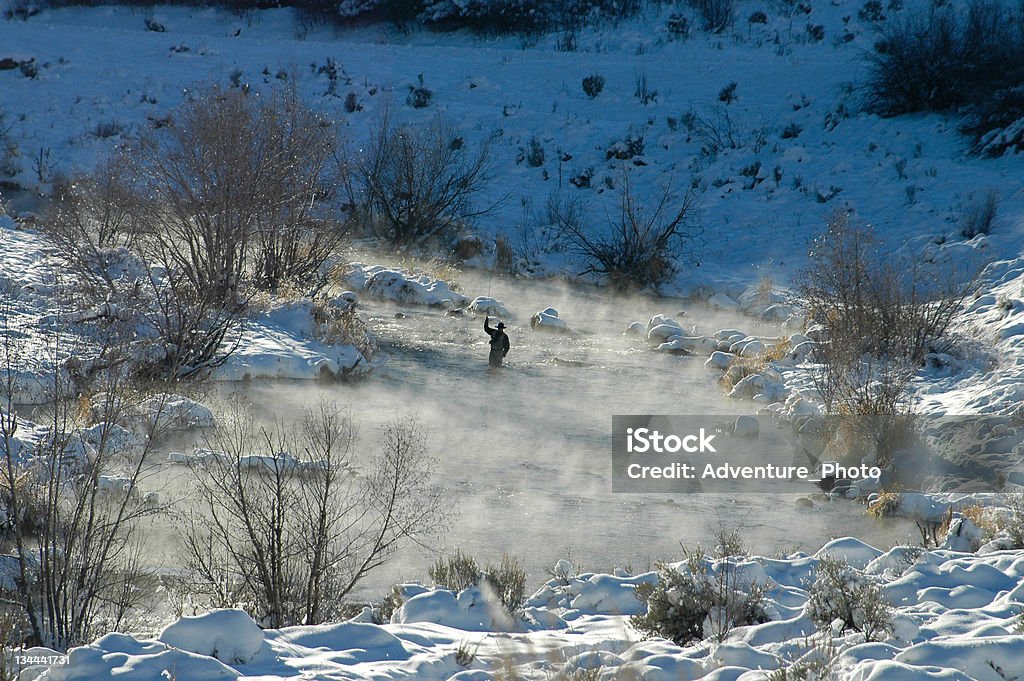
x=524 y=452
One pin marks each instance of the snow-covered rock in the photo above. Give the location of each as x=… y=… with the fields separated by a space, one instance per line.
x=720 y=360
x=228 y=635
x=766 y=386
x=776 y=313
x=483 y=305
x=548 y=320
x=746 y=426
x=729 y=335
x=636 y=329
x=177 y=412
x=473 y=609
x=403 y=286
x=664 y=332
x=720 y=301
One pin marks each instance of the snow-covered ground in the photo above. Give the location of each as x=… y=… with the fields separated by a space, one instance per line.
x=955 y=616
x=801 y=150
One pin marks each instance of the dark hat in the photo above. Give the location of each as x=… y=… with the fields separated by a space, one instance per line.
x=501 y=325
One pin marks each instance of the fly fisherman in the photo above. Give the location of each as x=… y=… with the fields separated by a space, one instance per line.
x=499 y=342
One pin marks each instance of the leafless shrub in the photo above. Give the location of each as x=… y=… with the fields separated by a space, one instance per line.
x=717 y=15
x=638 y=248
x=718 y=130
x=978 y=216
x=193 y=327
x=288 y=536
x=96 y=209
x=105 y=129
x=421 y=181
x=967 y=54
x=504 y=256
x=879 y=319
x=460 y=571
x=93 y=216
x=235 y=193
x=13 y=630
x=8 y=149
x=643 y=92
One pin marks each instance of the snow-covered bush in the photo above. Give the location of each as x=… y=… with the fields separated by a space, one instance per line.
x=815 y=660
x=701 y=598
x=338 y=322
x=229 y=635
x=842 y=594
x=460 y=571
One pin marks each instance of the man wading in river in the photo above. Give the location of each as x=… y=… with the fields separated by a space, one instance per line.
x=499 y=342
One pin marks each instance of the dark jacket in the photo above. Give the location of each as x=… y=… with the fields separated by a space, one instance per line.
x=499 y=339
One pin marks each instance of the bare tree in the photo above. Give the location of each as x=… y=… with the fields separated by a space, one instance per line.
x=283 y=525
x=237 y=191
x=76 y=539
x=236 y=178
x=879 y=319
x=309 y=222
x=638 y=248
x=421 y=181
x=873 y=303
x=95 y=208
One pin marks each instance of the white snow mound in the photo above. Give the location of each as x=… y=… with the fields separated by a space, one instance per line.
x=229 y=635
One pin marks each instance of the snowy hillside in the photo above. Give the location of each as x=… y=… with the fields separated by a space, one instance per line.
x=796 y=147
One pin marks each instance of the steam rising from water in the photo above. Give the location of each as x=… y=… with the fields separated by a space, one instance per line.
x=525 y=452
